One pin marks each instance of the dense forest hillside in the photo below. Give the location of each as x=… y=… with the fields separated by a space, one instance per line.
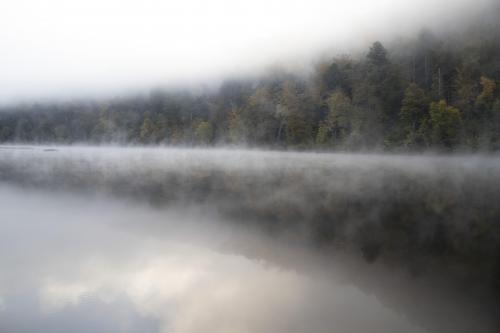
x=429 y=92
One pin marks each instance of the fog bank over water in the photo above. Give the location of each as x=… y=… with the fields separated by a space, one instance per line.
x=136 y=239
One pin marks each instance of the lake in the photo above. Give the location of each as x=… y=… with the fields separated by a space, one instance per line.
x=107 y=239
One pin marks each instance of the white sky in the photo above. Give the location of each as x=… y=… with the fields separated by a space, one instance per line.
x=55 y=48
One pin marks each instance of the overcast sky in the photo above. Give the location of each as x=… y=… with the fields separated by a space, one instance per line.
x=55 y=48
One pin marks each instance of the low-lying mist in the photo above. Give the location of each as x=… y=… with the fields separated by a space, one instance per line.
x=226 y=240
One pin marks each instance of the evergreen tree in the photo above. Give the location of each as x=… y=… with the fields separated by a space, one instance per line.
x=414 y=114
x=147 y=131
x=445 y=122
x=204 y=132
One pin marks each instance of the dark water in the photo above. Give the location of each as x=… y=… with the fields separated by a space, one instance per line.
x=89 y=242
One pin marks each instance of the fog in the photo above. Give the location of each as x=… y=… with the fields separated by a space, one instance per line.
x=108 y=239
x=249 y=166
x=59 y=49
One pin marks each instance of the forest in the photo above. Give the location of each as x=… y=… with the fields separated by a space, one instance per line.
x=427 y=92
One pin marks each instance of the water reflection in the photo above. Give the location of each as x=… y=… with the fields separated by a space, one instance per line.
x=70 y=264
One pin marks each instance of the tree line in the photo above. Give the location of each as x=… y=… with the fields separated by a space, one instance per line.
x=423 y=93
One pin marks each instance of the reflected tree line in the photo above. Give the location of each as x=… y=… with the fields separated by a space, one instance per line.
x=439 y=218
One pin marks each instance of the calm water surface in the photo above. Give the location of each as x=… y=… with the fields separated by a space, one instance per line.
x=90 y=263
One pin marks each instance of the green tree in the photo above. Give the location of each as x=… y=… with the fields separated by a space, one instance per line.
x=24 y=130
x=384 y=84
x=378 y=55
x=465 y=90
x=445 y=122
x=414 y=113
x=484 y=101
x=237 y=127
x=339 y=116
x=147 y=130
x=61 y=133
x=260 y=119
x=105 y=129
x=494 y=125
x=204 y=132
x=323 y=135
x=297 y=114
x=336 y=77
